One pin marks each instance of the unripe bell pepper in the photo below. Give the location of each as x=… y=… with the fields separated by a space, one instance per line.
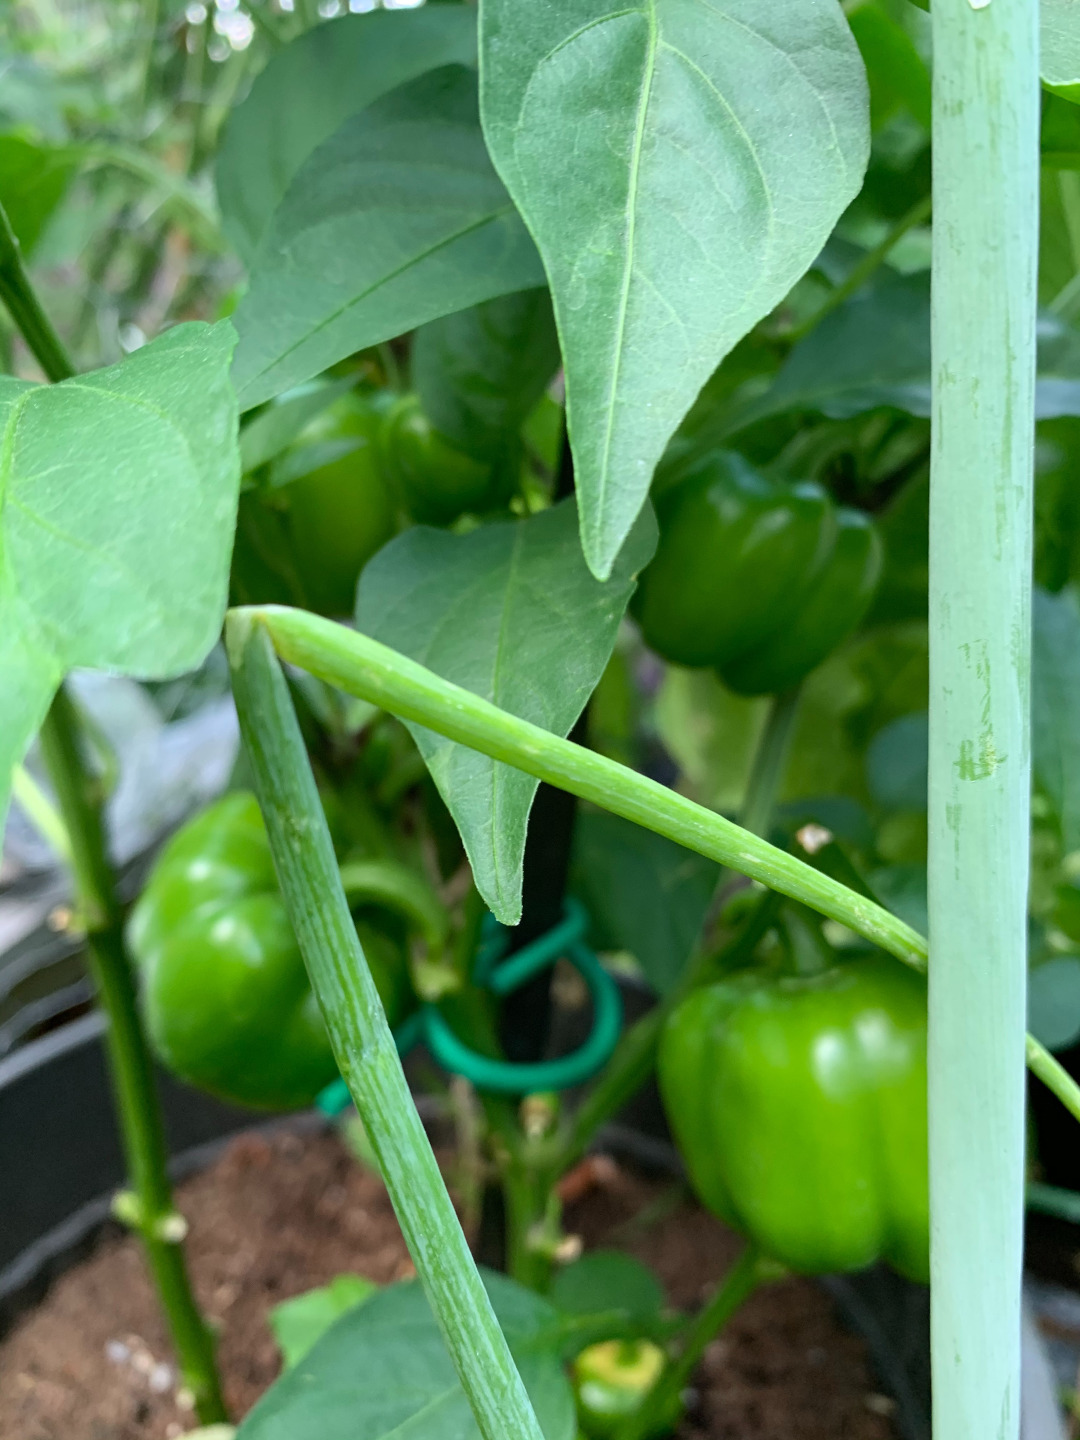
x=437 y=482
x=341 y=511
x=757 y=578
x=799 y=1106
x=305 y=536
x=611 y=1381
x=224 y=990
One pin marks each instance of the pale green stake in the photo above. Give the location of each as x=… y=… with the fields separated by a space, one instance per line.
x=986 y=206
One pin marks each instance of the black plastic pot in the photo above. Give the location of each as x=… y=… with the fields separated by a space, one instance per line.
x=62 y=1161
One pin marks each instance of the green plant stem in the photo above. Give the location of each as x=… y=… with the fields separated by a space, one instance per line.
x=149 y=1206
x=363 y=1045
x=770 y=762
x=1053 y=1075
x=986 y=105
x=736 y=1287
x=25 y=309
x=362 y=667
x=867 y=266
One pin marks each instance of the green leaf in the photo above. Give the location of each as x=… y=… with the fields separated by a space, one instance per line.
x=902 y=889
x=874 y=351
x=608 y=1280
x=644 y=894
x=1054 y=1002
x=310 y=87
x=480 y=372
x=276 y=427
x=510 y=612
x=680 y=165
x=1055 y=706
x=33 y=178
x=299 y=1322
x=397 y=219
x=898 y=77
x=117 y=504
x=896 y=763
x=1059 y=46
x=382 y=1370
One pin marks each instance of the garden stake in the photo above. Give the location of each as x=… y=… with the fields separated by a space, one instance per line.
x=985 y=250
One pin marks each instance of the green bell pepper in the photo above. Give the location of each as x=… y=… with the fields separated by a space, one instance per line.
x=759 y=579
x=305 y=536
x=224 y=990
x=341 y=511
x=799 y=1106
x=437 y=482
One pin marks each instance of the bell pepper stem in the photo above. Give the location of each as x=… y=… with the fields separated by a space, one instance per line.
x=770 y=762
x=363 y=1045
x=130 y=1066
x=736 y=1287
x=362 y=667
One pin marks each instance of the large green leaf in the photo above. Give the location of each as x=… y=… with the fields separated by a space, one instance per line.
x=310 y=87
x=383 y=1370
x=680 y=163
x=1055 y=706
x=510 y=612
x=398 y=218
x=644 y=894
x=479 y=372
x=117 y=503
x=874 y=351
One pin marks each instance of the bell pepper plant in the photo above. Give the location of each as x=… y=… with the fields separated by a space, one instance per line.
x=619 y=402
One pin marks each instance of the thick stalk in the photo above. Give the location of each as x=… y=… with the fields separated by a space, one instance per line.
x=362 y=667
x=737 y=1286
x=986 y=206
x=148 y=1206
x=363 y=1045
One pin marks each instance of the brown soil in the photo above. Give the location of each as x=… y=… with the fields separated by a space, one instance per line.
x=275 y=1217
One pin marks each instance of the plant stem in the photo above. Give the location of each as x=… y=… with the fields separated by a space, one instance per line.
x=860 y=273
x=770 y=762
x=363 y=1045
x=1053 y=1075
x=985 y=251
x=737 y=1285
x=149 y=1206
x=21 y=301
x=361 y=666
